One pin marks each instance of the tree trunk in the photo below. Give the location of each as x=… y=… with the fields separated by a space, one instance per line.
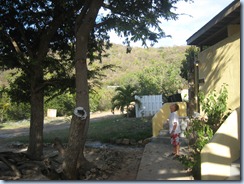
x=73 y=149
x=35 y=148
x=191 y=91
x=74 y=155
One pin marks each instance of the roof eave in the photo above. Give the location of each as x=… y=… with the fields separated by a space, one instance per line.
x=194 y=39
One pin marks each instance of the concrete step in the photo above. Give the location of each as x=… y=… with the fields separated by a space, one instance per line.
x=164 y=137
x=235 y=170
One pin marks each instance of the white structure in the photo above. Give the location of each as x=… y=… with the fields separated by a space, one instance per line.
x=51 y=113
x=150 y=105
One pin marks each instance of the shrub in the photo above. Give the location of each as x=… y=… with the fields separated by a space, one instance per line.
x=4 y=104
x=100 y=100
x=18 y=111
x=94 y=101
x=201 y=130
x=198 y=133
x=12 y=110
x=64 y=104
x=215 y=107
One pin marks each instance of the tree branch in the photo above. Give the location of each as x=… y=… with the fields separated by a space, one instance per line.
x=11 y=166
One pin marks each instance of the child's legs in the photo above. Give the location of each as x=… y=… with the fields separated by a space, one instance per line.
x=174 y=149
x=177 y=149
x=176 y=144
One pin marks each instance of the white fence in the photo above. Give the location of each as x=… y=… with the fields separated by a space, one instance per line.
x=150 y=105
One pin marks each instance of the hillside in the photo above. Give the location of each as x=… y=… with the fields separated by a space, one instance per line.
x=151 y=70
x=131 y=63
x=138 y=59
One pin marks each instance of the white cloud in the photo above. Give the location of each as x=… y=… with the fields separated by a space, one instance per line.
x=201 y=11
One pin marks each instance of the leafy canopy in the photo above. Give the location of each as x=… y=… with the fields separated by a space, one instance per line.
x=32 y=29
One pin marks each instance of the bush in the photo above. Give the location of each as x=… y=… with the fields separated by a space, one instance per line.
x=94 y=101
x=12 y=110
x=4 y=104
x=215 y=106
x=106 y=96
x=64 y=104
x=198 y=133
x=100 y=100
x=18 y=111
x=201 y=130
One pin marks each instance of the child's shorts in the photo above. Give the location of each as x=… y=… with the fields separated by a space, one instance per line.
x=175 y=139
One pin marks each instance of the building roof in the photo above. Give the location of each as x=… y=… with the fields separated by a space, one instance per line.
x=216 y=29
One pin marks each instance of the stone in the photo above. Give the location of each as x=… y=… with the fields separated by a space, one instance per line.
x=126 y=141
x=118 y=141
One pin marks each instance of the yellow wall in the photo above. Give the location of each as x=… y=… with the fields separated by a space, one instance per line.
x=162 y=115
x=222 y=150
x=221 y=64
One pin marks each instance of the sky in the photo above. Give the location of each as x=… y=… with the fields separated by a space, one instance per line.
x=200 y=11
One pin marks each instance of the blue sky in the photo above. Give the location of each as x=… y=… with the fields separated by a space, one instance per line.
x=200 y=11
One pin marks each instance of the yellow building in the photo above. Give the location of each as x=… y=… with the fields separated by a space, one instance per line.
x=218 y=63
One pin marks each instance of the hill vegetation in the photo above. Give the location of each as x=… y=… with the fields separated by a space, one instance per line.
x=139 y=59
x=150 y=70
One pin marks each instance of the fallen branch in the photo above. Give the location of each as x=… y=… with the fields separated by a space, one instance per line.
x=11 y=166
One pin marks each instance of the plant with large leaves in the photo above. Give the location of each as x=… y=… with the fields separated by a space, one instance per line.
x=125 y=98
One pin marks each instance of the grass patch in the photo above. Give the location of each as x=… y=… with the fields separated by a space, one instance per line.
x=48 y=137
x=14 y=125
x=104 y=130
x=119 y=128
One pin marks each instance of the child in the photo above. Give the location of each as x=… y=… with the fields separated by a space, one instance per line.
x=174 y=129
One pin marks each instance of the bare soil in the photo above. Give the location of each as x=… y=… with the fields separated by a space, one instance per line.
x=111 y=162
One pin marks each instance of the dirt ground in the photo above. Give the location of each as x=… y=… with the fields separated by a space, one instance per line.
x=112 y=162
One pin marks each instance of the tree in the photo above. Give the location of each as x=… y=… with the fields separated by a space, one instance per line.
x=144 y=16
x=190 y=55
x=36 y=38
x=164 y=78
x=188 y=72
x=124 y=98
x=29 y=30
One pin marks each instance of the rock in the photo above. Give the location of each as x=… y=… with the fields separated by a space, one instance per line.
x=126 y=141
x=133 y=142
x=140 y=141
x=145 y=141
x=118 y=141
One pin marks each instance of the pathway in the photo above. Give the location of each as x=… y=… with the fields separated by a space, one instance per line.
x=156 y=164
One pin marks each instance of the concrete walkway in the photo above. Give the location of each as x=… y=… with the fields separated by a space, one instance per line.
x=156 y=164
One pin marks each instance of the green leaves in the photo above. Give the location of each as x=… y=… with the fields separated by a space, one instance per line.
x=188 y=62
x=201 y=129
x=124 y=98
x=215 y=106
x=135 y=20
x=199 y=134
